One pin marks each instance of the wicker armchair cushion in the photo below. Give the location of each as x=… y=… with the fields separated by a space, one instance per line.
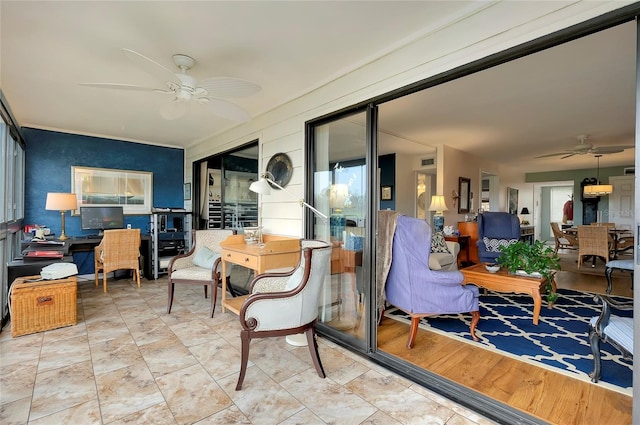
x=205 y=258
x=192 y=273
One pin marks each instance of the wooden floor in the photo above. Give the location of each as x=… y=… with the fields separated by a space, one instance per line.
x=550 y=396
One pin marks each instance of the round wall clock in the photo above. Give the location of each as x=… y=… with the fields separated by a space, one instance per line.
x=281 y=169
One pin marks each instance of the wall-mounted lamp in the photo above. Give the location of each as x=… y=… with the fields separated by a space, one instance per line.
x=61 y=202
x=262 y=187
x=438 y=205
x=455 y=197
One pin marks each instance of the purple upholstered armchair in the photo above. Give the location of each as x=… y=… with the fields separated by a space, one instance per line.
x=419 y=291
x=497 y=227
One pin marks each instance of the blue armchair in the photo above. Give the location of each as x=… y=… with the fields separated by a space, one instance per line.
x=497 y=227
x=416 y=289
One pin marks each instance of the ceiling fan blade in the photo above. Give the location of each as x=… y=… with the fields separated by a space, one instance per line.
x=228 y=87
x=123 y=87
x=610 y=149
x=569 y=155
x=151 y=67
x=174 y=110
x=228 y=110
x=552 y=154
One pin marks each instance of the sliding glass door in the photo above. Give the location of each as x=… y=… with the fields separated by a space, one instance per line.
x=340 y=190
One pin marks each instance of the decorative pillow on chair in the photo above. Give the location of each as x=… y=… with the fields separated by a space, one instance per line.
x=439 y=244
x=493 y=245
x=205 y=258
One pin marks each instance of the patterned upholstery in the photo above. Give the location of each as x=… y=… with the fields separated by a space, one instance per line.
x=495 y=226
x=182 y=269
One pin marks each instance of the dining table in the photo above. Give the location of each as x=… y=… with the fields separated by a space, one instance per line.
x=616 y=233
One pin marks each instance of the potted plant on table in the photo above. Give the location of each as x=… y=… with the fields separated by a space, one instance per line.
x=536 y=259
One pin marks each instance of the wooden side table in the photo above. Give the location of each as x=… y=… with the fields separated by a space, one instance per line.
x=277 y=252
x=464 y=241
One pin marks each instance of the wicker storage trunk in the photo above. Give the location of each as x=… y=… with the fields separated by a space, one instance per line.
x=43 y=305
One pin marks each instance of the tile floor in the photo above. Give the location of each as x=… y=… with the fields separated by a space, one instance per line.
x=128 y=362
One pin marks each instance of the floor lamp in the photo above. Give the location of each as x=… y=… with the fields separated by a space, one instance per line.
x=262 y=187
x=61 y=202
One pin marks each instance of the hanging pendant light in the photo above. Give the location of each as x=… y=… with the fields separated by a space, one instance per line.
x=595 y=190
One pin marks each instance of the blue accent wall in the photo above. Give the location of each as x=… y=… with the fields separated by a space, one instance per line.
x=49 y=156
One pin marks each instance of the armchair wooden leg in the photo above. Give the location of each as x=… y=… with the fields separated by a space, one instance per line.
x=475 y=318
x=313 y=350
x=104 y=280
x=245 y=339
x=214 y=297
x=137 y=273
x=170 y=290
x=415 y=321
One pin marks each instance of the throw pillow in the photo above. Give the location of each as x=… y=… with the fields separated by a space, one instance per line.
x=205 y=258
x=439 y=244
x=493 y=245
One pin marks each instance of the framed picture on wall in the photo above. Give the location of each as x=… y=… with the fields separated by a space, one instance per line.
x=512 y=200
x=386 y=193
x=133 y=190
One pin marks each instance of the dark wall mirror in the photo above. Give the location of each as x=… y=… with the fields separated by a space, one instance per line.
x=464 y=190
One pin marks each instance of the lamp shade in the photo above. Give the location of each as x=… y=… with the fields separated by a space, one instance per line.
x=261 y=186
x=595 y=190
x=61 y=201
x=438 y=203
x=525 y=210
x=338 y=194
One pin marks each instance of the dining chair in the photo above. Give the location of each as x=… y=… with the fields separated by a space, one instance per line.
x=594 y=241
x=563 y=240
x=281 y=304
x=119 y=249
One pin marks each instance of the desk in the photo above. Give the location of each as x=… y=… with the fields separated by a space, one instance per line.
x=277 y=252
x=84 y=244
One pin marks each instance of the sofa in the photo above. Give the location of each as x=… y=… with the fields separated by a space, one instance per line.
x=445 y=261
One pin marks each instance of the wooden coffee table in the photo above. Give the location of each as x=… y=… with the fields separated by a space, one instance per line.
x=503 y=281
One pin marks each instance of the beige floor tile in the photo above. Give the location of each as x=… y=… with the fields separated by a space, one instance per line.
x=129 y=362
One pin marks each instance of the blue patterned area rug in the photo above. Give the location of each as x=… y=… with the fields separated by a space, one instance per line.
x=560 y=341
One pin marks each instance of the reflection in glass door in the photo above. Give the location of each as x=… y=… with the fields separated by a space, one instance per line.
x=339 y=182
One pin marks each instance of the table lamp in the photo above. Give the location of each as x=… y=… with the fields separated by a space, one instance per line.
x=438 y=205
x=525 y=211
x=61 y=202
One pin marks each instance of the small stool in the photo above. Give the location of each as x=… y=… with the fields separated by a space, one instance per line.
x=617 y=265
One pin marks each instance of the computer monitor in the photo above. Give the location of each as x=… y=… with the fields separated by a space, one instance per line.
x=101 y=218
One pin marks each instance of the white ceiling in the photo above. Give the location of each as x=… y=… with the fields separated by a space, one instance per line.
x=509 y=114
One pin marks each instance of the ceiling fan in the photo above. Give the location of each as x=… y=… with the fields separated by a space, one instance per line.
x=185 y=90
x=583 y=148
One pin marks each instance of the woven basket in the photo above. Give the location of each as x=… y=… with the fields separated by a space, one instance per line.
x=42 y=305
